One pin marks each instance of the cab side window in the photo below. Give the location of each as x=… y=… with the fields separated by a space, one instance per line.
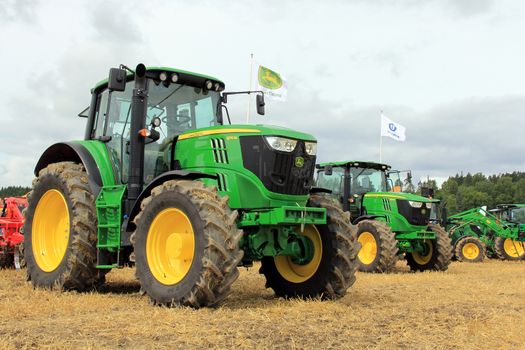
x=100 y=116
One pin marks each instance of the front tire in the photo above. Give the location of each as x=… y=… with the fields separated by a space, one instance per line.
x=186 y=245
x=60 y=230
x=469 y=249
x=379 y=250
x=439 y=253
x=508 y=249
x=332 y=270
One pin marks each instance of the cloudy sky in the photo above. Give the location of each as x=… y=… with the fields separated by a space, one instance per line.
x=451 y=71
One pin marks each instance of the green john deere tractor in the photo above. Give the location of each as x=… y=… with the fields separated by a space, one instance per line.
x=389 y=224
x=498 y=233
x=160 y=181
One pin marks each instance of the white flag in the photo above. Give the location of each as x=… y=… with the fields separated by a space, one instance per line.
x=271 y=83
x=392 y=129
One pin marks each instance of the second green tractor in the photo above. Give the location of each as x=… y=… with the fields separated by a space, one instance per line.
x=390 y=224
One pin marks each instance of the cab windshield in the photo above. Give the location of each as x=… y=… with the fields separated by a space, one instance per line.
x=517 y=215
x=365 y=180
x=362 y=180
x=181 y=108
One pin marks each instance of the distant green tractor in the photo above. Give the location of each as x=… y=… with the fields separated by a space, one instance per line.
x=389 y=224
x=499 y=233
x=160 y=181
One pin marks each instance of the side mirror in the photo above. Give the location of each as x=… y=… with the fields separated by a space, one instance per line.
x=117 y=79
x=260 y=104
x=328 y=170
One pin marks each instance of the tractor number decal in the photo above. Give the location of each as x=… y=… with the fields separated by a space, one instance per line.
x=269 y=79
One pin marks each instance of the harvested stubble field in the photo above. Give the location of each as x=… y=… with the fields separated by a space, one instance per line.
x=472 y=306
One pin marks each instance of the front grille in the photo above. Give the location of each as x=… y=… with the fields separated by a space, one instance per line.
x=414 y=216
x=277 y=170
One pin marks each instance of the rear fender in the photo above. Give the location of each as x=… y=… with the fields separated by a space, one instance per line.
x=76 y=153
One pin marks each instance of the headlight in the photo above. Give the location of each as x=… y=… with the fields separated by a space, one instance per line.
x=311 y=148
x=281 y=143
x=415 y=204
x=429 y=205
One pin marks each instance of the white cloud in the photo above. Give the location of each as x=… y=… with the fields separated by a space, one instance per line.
x=438 y=67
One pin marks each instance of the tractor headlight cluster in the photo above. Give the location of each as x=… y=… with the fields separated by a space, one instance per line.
x=311 y=148
x=281 y=143
x=415 y=204
x=429 y=205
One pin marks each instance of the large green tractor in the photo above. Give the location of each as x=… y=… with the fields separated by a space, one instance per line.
x=498 y=233
x=160 y=181
x=389 y=224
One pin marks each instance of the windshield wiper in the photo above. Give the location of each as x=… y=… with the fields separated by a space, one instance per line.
x=171 y=94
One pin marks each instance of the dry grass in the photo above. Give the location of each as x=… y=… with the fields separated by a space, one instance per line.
x=472 y=306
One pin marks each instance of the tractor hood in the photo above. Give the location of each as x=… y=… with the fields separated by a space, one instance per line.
x=259 y=129
x=402 y=195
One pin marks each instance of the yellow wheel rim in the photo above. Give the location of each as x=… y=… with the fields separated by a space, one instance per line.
x=424 y=259
x=513 y=248
x=170 y=246
x=296 y=273
x=368 y=252
x=50 y=230
x=470 y=251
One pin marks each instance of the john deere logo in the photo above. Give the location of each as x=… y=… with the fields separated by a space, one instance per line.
x=299 y=162
x=269 y=79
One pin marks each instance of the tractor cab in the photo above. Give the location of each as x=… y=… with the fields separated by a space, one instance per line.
x=361 y=178
x=177 y=101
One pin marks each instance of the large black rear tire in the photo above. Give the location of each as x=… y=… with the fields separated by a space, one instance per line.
x=379 y=250
x=186 y=245
x=335 y=270
x=76 y=270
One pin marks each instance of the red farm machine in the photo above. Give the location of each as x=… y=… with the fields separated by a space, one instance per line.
x=11 y=239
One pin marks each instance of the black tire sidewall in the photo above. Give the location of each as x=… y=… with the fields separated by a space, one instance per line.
x=314 y=286
x=158 y=291
x=366 y=226
x=462 y=242
x=38 y=276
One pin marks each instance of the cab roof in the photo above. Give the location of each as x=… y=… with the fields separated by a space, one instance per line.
x=183 y=76
x=356 y=163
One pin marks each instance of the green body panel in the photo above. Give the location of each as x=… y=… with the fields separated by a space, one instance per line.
x=195 y=152
x=109 y=215
x=409 y=237
x=481 y=223
x=100 y=154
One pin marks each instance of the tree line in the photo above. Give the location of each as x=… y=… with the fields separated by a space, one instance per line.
x=13 y=191
x=463 y=192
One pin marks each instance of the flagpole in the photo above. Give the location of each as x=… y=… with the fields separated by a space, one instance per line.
x=381 y=139
x=249 y=88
